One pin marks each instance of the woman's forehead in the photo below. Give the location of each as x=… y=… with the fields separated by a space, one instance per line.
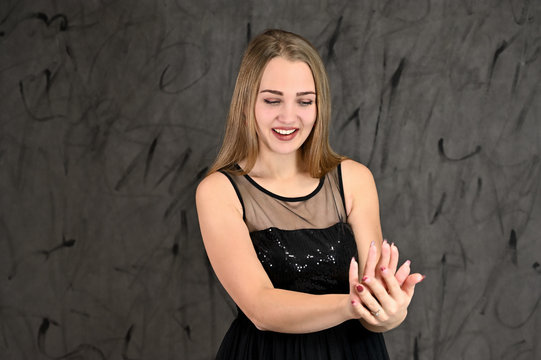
x=287 y=76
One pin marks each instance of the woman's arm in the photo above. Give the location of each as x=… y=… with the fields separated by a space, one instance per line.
x=236 y=265
x=390 y=290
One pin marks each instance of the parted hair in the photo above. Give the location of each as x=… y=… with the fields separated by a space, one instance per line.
x=241 y=140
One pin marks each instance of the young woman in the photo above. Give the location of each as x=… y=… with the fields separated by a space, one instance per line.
x=284 y=218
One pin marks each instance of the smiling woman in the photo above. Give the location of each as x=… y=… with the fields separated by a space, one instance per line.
x=286 y=221
x=285 y=109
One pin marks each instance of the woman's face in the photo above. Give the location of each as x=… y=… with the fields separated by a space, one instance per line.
x=285 y=108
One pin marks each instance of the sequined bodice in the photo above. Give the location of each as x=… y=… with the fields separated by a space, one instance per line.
x=315 y=261
x=303 y=243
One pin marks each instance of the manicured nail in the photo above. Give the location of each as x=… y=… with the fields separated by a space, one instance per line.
x=385 y=241
x=383 y=268
x=359 y=288
x=353 y=302
x=408 y=262
x=353 y=259
x=372 y=243
x=424 y=277
x=365 y=278
x=392 y=244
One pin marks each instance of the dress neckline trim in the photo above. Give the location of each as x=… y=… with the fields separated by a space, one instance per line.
x=285 y=198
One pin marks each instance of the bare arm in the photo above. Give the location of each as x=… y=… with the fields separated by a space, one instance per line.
x=236 y=265
x=390 y=291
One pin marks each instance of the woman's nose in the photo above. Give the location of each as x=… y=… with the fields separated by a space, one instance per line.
x=289 y=113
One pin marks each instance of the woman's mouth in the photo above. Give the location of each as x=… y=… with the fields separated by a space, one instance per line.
x=284 y=134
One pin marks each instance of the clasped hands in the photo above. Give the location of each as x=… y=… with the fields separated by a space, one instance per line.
x=381 y=299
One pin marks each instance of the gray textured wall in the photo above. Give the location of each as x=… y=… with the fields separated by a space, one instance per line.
x=111 y=111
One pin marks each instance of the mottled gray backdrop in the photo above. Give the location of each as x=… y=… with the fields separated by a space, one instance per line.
x=111 y=111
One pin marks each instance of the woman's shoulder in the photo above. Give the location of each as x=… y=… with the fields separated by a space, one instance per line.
x=216 y=188
x=355 y=171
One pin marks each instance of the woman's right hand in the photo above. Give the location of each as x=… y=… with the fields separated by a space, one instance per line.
x=383 y=300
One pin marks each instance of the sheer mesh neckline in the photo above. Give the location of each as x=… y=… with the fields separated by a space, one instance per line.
x=285 y=198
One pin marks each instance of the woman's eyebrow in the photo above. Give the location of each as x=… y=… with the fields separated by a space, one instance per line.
x=276 y=92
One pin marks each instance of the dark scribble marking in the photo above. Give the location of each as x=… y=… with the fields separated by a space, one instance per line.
x=23 y=93
x=439 y=311
x=439 y=208
x=66 y=243
x=127 y=340
x=513 y=246
x=380 y=111
x=185 y=191
x=163 y=83
x=523 y=17
x=479 y=187
x=150 y=156
x=82 y=351
x=525 y=109
x=442 y=153
x=516 y=77
x=334 y=38
x=133 y=164
x=85 y=351
x=497 y=54
x=416 y=348
x=521 y=322
x=42 y=332
x=63 y=19
x=182 y=233
x=181 y=164
x=395 y=79
x=175 y=169
x=188 y=331
x=354 y=117
x=516 y=350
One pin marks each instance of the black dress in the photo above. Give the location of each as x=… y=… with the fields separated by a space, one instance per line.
x=304 y=245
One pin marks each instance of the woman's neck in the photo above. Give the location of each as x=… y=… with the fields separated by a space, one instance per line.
x=277 y=166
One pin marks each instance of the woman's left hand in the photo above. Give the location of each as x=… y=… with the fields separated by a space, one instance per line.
x=385 y=292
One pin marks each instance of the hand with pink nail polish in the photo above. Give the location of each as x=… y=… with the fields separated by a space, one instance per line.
x=389 y=290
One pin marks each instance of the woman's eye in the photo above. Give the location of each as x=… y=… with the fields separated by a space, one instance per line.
x=306 y=102
x=271 y=102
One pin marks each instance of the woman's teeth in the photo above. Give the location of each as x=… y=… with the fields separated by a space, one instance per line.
x=284 y=132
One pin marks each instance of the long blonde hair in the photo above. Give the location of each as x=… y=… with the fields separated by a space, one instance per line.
x=241 y=140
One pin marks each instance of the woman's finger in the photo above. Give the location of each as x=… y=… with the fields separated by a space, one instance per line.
x=393 y=261
x=371 y=304
x=377 y=288
x=371 y=261
x=384 y=258
x=403 y=272
x=409 y=284
x=353 y=272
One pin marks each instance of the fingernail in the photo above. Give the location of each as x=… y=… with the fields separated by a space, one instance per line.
x=359 y=288
x=365 y=278
x=424 y=277
x=372 y=243
x=353 y=302
x=385 y=241
x=408 y=262
x=352 y=258
x=383 y=269
x=392 y=244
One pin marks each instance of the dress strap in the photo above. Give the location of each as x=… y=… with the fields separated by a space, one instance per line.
x=236 y=191
x=341 y=187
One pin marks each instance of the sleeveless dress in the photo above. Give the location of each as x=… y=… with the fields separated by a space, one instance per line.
x=304 y=244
